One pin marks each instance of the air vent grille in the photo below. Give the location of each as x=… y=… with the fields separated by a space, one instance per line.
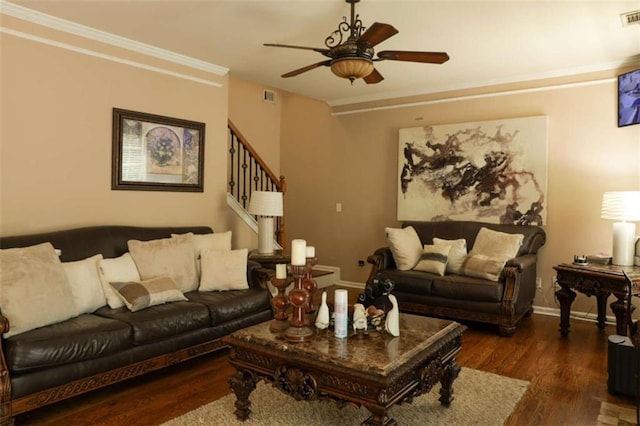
x=630 y=18
x=269 y=96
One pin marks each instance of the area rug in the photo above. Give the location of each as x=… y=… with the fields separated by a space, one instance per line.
x=616 y=415
x=480 y=399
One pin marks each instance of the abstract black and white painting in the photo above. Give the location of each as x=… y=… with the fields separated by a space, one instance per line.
x=491 y=171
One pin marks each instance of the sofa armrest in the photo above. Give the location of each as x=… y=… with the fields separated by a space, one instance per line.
x=380 y=260
x=257 y=276
x=523 y=262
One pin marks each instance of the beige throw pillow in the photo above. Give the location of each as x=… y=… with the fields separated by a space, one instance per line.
x=405 y=246
x=201 y=242
x=224 y=270
x=173 y=256
x=139 y=295
x=497 y=245
x=119 y=269
x=481 y=266
x=457 y=254
x=86 y=284
x=34 y=289
x=434 y=259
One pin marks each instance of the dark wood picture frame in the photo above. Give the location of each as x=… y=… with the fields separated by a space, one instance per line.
x=156 y=153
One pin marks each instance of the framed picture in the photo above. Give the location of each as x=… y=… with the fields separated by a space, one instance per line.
x=155 y=153
x=629 y=98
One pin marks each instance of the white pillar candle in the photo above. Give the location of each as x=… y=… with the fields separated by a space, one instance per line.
x=341 y=308
x=311 y=251
x=281 y=271
x=298 y=252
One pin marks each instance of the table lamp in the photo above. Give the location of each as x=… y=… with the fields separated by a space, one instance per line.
x=265 y=205
x=624 y=208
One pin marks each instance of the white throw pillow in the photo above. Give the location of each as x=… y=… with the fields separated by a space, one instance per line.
x=434 y=259
x=173 y=256
x=86 y=285
x=405 y=246
x=139 y=295
x=497 y=245
x=34 y=290
x=457 y=254
x=224 y=270
x=119 y=269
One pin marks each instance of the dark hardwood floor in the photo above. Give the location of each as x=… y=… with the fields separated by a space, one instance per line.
x=567 y=380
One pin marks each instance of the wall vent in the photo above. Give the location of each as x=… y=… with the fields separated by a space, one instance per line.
x=630 y=18
x=269 y=96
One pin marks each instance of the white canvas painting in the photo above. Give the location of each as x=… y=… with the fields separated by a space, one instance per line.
x=491 y=171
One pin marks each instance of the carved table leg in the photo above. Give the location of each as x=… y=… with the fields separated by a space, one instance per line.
x=449 y=374
x=602 y=309
x=566 y=297
x=242 y=383
x=619 y=308
x=379 y=418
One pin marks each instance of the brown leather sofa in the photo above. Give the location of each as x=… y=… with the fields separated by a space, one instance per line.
x=58 y=361
x=460 y=297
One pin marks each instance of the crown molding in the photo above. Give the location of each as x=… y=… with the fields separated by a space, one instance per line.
x=30 y=15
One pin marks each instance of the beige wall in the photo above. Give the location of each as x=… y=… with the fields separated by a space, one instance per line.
x=55 y=152
x=352 y=159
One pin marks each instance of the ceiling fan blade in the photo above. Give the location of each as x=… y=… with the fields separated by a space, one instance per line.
x=374 y=77
x=315 y=49
x=375 y=34
x=307 y=68
x=428 y=57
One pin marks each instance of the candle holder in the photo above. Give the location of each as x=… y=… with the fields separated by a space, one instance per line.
x=280 y=304
x=309 y=284
x=298 y=330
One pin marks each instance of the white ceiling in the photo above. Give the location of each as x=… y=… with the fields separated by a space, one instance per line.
x=489 y=42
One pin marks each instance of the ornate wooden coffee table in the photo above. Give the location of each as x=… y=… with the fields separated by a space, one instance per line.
x=376 y=371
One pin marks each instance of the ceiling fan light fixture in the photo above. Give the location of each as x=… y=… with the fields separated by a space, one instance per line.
x=352 y=67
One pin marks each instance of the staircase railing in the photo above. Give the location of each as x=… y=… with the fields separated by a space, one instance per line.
x=248 y=172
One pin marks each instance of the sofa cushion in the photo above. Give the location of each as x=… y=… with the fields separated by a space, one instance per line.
x=217 y=241
x=34 y=289
x=118 y=269
x=86 y=284
x=77 y=339
x=497 y=245
x=224 y=270
x=467 y=288
x=230 y=305
x=434 y=259
x=173 y=256
x=405 y=246
x=481 y=266
x=161 y=321
x=457 y=253
x=138 y=295
x=417 y=282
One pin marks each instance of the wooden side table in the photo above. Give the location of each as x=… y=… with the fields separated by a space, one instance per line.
x=600 y=281
x=269 y=261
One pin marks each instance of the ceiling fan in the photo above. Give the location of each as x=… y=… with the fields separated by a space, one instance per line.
x=353 y=58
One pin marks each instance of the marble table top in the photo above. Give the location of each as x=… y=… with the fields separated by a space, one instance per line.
x=375 y=353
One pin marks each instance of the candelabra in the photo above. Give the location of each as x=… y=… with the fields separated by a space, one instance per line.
x=280 y=303
x=309 y=284
x=299 y=329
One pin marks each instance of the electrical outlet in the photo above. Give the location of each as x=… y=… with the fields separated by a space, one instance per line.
x=360 y=262
x=538 y=282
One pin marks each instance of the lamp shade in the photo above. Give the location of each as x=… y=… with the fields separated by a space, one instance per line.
x=624 y=208
x=621 y=205
x=266 y=203
x=352 y=67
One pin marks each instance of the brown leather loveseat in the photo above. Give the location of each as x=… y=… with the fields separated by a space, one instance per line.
x=64 y=359
x=503 y=302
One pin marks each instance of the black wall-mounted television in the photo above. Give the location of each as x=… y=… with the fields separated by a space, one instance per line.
x=629 y=98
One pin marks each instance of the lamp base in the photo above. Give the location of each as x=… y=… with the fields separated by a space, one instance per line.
x=623 y=243
x=265 y=235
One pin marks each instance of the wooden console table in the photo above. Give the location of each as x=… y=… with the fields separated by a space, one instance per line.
x=600 y=281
